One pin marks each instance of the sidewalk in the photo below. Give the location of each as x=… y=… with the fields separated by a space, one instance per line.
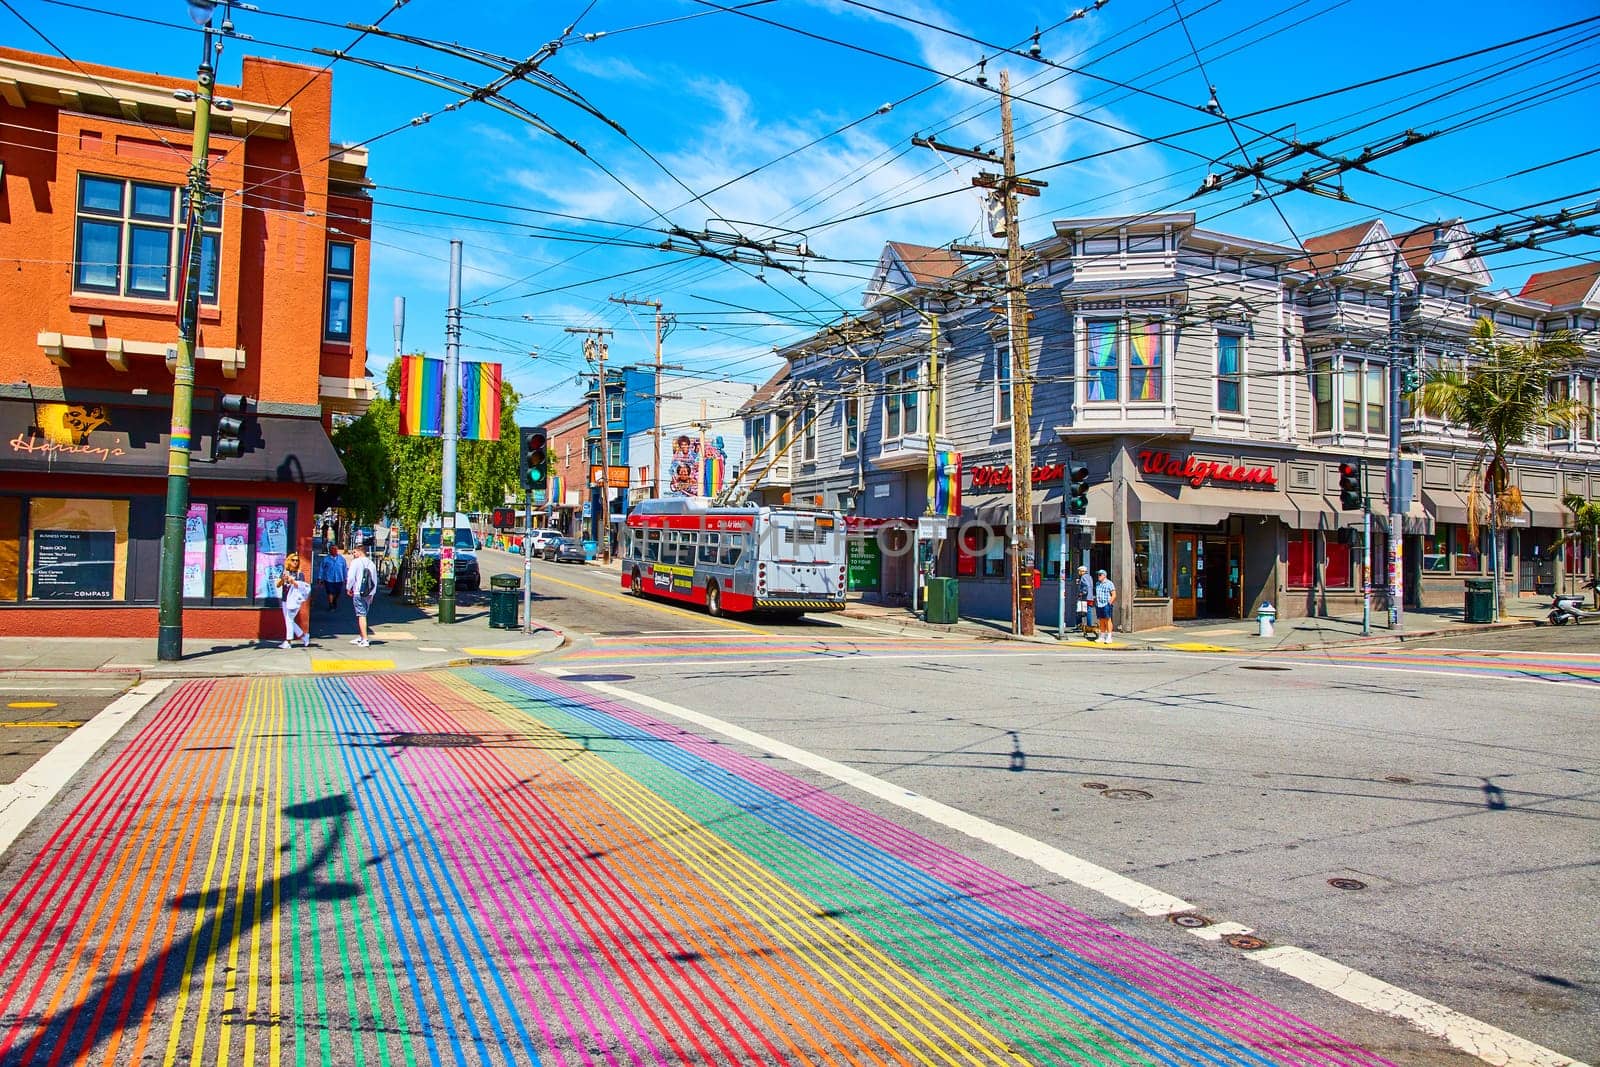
x=404 y=638
x=1234 y=635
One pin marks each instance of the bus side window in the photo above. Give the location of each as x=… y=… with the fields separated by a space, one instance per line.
x=709 y=546
x=652 y=549
x=732 y=549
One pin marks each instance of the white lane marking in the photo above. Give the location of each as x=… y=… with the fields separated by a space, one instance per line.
x=59 y=688
x=25 y=798
x=1488 y=1043
x=1468 y=674
x=1218 y=931
x=822 y=656
x=1123 y=890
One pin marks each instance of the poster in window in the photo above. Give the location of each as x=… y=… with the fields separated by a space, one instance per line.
x=272 y=543
x=74 y=564
x=230 y=556
x=194 y=551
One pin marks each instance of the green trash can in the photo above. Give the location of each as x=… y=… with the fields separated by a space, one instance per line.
x=1479 y=606
x=943 y=603
x=505 y=601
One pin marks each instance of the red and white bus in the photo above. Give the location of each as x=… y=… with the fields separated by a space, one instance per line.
x=735 y=559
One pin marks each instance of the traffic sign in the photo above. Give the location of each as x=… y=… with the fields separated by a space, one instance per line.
x=1088 y=521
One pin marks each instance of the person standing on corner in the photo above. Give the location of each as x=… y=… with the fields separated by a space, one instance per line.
x=293 y=590
x=1084 y=588
x=362 y=584
x=1105 y=596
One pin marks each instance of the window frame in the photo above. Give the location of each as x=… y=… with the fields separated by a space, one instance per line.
x=902 y=400
x=808 y=433
x=1235 y=378
x=1002 y=409
x=1324 y=405
x=614 y=453
x=336 y=276
x=129 y=221
x=850 y=425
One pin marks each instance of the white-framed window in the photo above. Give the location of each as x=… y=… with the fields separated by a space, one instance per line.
x=128 y=239
x=1124 y=361
x=1559 y=391
x=1322 y=390
x=339 y=290
x=756 y=431
x=614 y=408
x=1230 y=373
x=1350 y=394
x=615 y=451
x=808 y=434
x=850 y=416
x=901 y=402
x=1002 y=385
x=1588 y=394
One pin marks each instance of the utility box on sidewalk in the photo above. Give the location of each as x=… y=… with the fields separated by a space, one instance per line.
x=1479 y=605
x=505 y=601
x=943 y=604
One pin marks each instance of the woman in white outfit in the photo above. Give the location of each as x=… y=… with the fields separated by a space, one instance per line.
x=293 y=589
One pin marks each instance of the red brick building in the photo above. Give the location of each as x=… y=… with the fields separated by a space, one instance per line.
x=92 y=168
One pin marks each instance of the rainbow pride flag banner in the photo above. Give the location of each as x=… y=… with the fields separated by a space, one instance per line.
x=947 y=483
x=715 y=465
x=480 y=401
x=421 y=396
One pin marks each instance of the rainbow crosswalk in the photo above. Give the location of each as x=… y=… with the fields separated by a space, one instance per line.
x=713 y=648
x=494 y=867
x=1566 y=667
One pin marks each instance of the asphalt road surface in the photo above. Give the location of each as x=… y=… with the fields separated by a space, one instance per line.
x=38 y=709
x=685 y=840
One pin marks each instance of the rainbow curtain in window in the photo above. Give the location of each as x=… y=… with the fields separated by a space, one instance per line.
x=480 y=401
x=421 y=396
x=1102 y=360
x=947 y=483
x=1144 y=362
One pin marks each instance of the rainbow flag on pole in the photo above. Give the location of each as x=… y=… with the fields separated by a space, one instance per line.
x=480 y=401
x=947 y=483
x=421 y=396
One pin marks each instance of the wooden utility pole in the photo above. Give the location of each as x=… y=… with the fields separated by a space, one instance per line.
x=661 y=322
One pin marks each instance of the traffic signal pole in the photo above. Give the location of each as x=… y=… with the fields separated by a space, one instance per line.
x=169 y=629
x=452 y=428
x=527 y=558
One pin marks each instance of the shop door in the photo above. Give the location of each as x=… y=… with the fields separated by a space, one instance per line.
x=1220 y=587
x=1185 y=566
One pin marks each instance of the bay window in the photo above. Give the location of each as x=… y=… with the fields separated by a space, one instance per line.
x=852 y=425
x=1322 y=395
x=1101 y=375
x=1124 y=361
x=1230 y=378
x=901 y=399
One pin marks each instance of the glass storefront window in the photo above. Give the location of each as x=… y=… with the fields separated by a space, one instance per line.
x=77 y=550
x=230 y=553
x=1052 y=556
x=10 y=547
x=1340 y=571
x=1468 y=553
x=1436 y=552
x=196 y=535
x=1302 y=572
x=994 y=560
x=1150 y=558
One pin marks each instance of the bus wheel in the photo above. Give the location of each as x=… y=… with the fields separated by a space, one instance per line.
x=636 y=584
x=713 y=600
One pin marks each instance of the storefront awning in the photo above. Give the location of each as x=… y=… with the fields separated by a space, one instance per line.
x=109 y=440
x=1179 y=503
x=1446 y=505
x=995 y=508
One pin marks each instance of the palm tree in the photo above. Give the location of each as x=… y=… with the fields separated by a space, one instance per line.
x=1503 y=397
x=1586 y=529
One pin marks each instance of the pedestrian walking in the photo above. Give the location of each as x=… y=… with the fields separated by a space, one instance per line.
x=362 y=584
x=293 y=589
x=334 y=572
x=1105 y=596
x=1084 y=589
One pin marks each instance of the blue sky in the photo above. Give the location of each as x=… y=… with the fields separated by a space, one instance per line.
x=769 y=121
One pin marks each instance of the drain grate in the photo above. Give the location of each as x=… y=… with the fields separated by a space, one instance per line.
x=1189 y=920
x=436 y=740
x=1126 y=794
x=1244 y=942
x=1347 y=883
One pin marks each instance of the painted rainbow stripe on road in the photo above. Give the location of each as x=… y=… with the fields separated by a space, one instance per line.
x=736 y=647
x=491 y=867
x=1545 y=667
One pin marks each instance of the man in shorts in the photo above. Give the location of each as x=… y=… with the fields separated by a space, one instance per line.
x=362 y=585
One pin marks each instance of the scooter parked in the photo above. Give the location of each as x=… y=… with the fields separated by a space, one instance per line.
x=1568 y=607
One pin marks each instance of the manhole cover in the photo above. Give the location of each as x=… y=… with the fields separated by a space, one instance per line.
x=1244 y=942
x=436 y=740
x=1262 y=667
x=1397 y=779
x=1095 y=785
x=1126 y=794
x=1347 y=883
x=1189 y=920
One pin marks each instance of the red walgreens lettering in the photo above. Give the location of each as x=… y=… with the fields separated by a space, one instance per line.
x=1199 y=471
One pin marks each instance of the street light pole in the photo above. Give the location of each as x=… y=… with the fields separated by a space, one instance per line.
x=169 y=632
x=1397 y=541
x=452 y=429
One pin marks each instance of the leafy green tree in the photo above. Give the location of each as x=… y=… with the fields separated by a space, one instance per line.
x=1503 y=397
x=369 y=473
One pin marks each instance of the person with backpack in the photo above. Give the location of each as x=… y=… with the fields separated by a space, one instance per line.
x=362 y=585
x=334 y=572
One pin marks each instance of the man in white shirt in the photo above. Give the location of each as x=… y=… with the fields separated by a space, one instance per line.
x=362 y=585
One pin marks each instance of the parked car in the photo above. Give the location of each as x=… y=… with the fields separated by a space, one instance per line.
x=467 y=573
x=565 y=550
x=543 y=539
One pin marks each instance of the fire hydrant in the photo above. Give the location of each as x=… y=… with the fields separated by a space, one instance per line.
x=1265 y=615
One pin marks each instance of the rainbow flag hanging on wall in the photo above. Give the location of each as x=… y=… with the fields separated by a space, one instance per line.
x=715 y=464
x=421 y=396
x=947 y=483
x=480 y=401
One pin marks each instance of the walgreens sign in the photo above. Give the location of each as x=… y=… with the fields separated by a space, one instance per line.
x=1198 y=472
